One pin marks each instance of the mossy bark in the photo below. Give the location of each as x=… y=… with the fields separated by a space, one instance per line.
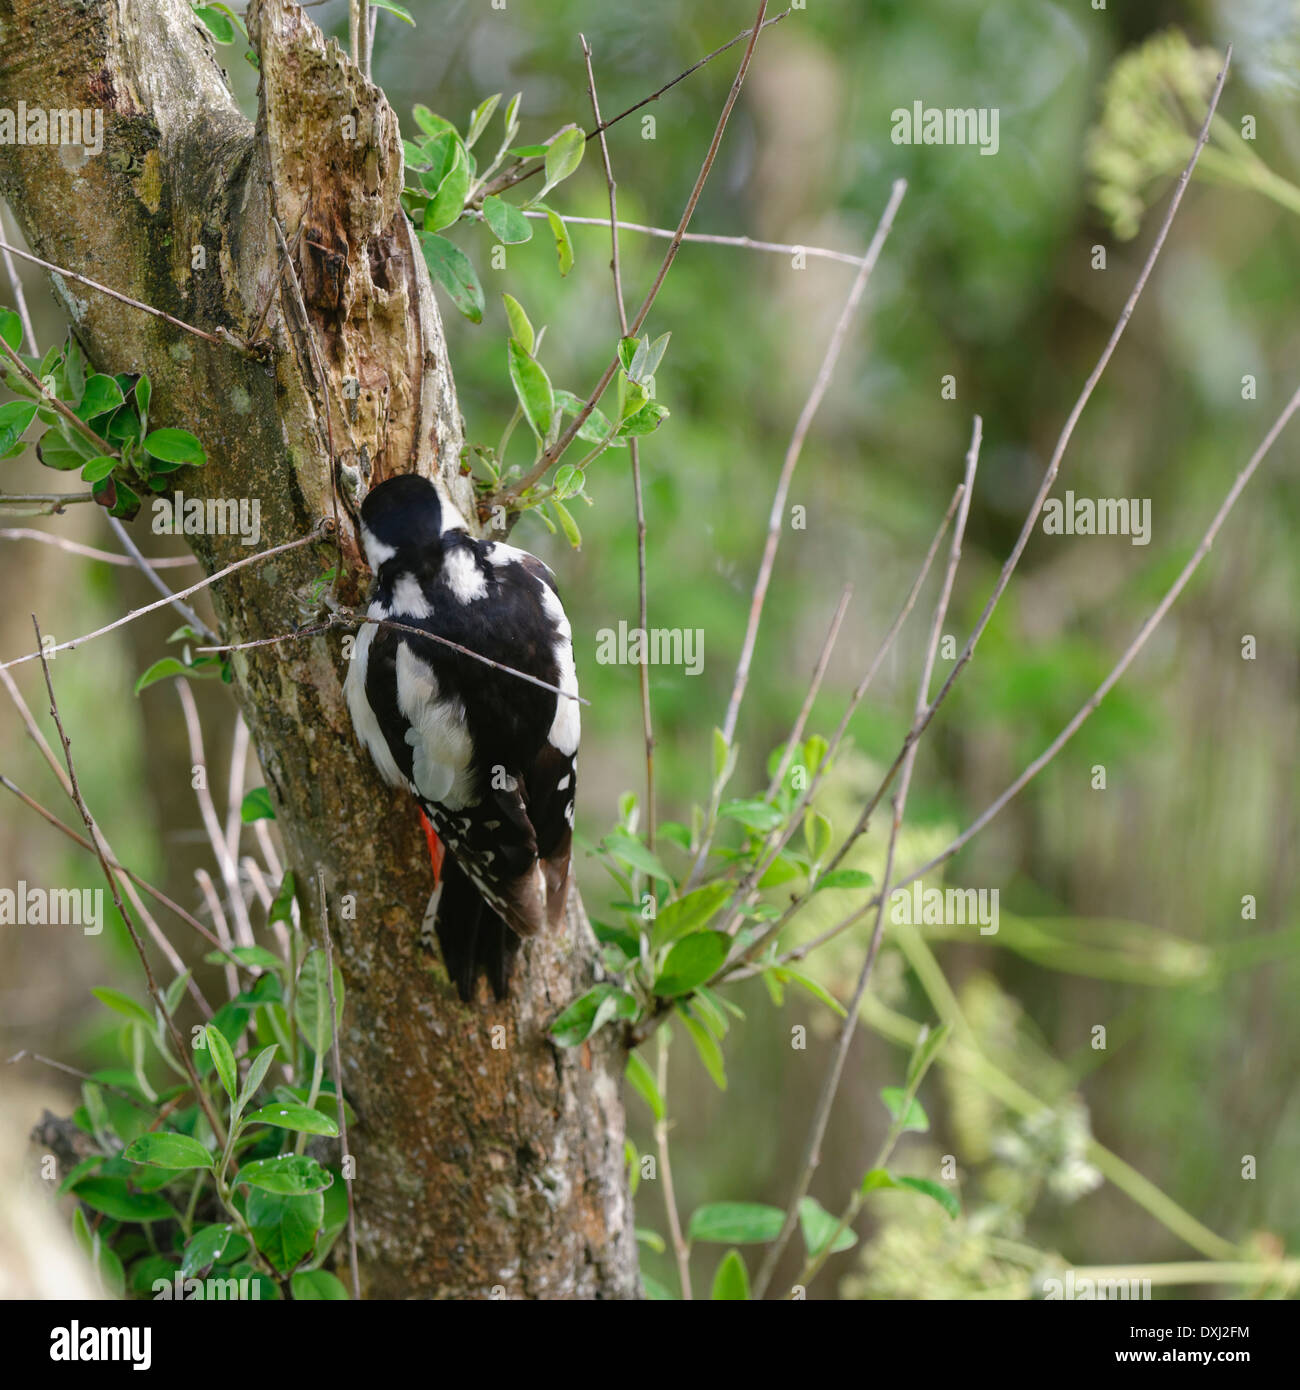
x=488 y=1161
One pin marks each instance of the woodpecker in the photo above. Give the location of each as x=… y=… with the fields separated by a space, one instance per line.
x=490 y=759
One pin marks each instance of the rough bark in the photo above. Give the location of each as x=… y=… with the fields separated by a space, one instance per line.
x=480 y=1167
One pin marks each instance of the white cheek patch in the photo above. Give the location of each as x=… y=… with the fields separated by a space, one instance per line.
x=464 y=578
x=376 y=551
x=363 y=717
x=441 y=748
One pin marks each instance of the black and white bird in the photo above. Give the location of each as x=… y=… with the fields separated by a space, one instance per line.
x=491 y=759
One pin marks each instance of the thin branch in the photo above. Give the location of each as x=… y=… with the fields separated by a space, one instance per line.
x=527 y=169
x=356 y=620
x=55 y=403
x=776 y=517
x=107 y=557
x=23 y=1054
x=634 y=454
x=336 y=1062
x=138 y=559
x=226 y=863
x=550 y=455
x=681 y=1250
x=20 y=299
x=222 y=338
x=321 y=527
x=708 y=238
x=1053 y=468
x=815 y=685
x=183 y=1052
x=41 y=503
x=830 y=1087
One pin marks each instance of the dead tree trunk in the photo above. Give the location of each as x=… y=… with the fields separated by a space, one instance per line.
x=487 y=1159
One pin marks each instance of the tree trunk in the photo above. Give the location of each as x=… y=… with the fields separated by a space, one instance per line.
x=488 y=1160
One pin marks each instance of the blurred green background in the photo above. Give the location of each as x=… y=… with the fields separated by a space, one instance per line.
x=1121 y=907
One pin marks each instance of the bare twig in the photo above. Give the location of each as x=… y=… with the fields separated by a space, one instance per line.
x=183 y=1052
x=681 y=1250
x=528 y=169
x=550 y=455
x=322 y=526
x=336 y=1062
x=224 y=338
x=815 y=685
x=147 y=569
x=830 y=1087
x=107 y=557
x=776 y=517
x=20 y=299
x=634 y=454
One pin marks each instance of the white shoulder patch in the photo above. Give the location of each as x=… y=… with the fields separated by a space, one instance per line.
x=566 y=729
x=464 y=577
x=440 y=743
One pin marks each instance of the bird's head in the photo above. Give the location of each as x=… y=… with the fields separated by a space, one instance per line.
x=401 y=519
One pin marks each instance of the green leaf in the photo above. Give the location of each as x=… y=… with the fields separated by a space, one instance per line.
x=287 y=1175
x=166 y=1150
x=282 y=906
x=223 y=1059
x=451 y=268
x=689 y=914
x=430 y=123
x=79 y=1172
x=318 y=1284
x=947 y=1200
x=753 y=814
x=311 y=1005
x=563 y=243
x=705 y=1044
x=115 y=1199
x=731 y=1281
x=205 y=1247
x=917 y=1120
x=643 y=1082
x=257 y=1070
x=258 y=956
x=11 y=329
x=169 y=666
x=400 y=11
x=448 y=200
x=844 y=878
x=479 y=118
x=295 y=1117
x=693 y=961
x=652 y=1240
x=567 y=524
x=507 y=223
x=735 y=1223
x=63 y=456
x=596 y=429
x=143 y=395
x=175 y=446
x=928 y=1046
x=818 y=1226
x=98 y=469
x=563 y=155
x=627 y=849
x=876 y=1179
x=102 y=394
x=533 y=389
x=520 y=327
x=817 y=834
x=818 y=991
x=656 y=1292
x=14 y=419
x=217 y=24
x=125 y=1005
x=644 y=420
x=256 y=805
x=285 y=1227
x=590 y=1012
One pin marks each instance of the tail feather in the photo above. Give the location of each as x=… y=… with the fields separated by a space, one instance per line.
x=473 y=938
